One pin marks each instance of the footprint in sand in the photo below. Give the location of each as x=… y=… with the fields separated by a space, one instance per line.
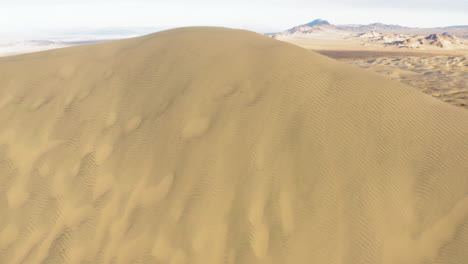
x=196 y=128
x=133 y=124
x=5 y=100
x=103 y=151
x=159 y=192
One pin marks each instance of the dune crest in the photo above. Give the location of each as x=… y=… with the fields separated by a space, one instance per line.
x=213 y=145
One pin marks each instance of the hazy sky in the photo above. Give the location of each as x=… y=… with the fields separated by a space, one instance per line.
x=259 y=15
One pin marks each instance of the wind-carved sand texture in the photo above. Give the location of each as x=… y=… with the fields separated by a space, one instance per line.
x=212 y=145
x=444 y=77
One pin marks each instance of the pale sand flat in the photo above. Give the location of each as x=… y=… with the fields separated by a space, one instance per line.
x=212 y=145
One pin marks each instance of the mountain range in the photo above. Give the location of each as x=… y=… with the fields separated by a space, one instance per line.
x=375 y=36
x=318 y=25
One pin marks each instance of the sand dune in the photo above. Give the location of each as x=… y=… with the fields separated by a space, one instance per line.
x=212 y=145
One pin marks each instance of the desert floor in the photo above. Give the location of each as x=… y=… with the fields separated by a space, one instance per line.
x=442 y=76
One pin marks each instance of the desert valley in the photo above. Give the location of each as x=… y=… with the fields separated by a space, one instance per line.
x=433 y=60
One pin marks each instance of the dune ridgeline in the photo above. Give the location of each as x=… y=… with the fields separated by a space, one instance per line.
x=213 y=145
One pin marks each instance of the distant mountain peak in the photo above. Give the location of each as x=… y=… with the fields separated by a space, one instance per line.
x=317 y=22
x=311 y=27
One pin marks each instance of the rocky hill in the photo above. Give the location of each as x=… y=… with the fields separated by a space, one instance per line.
x=318 y=25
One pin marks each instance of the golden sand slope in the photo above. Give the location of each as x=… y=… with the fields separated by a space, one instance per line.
x=211 y=145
